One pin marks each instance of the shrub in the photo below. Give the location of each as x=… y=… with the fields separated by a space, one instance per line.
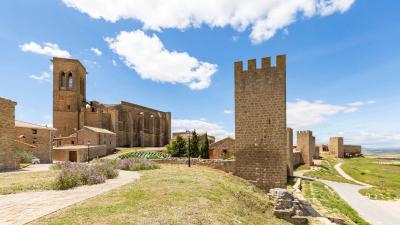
x=135 y=164
x=75 y=174
x=23 y=156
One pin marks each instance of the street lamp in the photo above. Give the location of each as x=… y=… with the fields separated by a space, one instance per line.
x=188 y=132
x=88 y=145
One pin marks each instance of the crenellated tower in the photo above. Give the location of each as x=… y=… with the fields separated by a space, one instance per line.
x=306 y=145
x=260 y=122
x=69 y=95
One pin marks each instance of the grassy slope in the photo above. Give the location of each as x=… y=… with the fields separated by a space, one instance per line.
x=328 y=203
x=385 y=178
x=327 y=171
x=19 y=182
x=174 y=194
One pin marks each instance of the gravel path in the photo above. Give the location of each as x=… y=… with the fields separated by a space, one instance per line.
x=24 y=207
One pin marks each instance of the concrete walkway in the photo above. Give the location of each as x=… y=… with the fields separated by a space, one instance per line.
x=376 y=212
x=348 y=177
x=24 y=207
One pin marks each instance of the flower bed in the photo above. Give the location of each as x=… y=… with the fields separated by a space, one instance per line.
x=145 y=155
x=76 y=174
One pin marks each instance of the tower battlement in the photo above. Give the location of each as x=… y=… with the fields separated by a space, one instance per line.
x=265 y=64
x=260 y=122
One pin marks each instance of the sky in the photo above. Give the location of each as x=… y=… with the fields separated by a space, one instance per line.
x=343 y=59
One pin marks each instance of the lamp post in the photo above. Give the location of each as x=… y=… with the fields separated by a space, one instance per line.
x=188 y=132
x=88 y=145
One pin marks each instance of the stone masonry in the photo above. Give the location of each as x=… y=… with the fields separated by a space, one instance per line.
x=289 y=142
x=260 y=122
x=7 y=135
x=133 y=124
x=336 y=147
x=306 y=146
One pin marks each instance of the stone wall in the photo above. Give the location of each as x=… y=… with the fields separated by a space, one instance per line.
x=224 y=165
x=289 y=142
x=297 y=159
x=336 y=147
x=305 y=146
x=352 y=149
x=222 y=149
x=260 y=122
x=7 y=135
x=41 y=138
x=63 y=153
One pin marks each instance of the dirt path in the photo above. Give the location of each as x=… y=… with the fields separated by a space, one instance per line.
x=24 y=207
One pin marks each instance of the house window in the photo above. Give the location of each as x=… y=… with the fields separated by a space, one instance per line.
x=34 y=131
x=72 y=142
x=68 y=107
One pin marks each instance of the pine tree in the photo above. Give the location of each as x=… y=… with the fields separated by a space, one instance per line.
x=180 y=146
x=194 y=145
x=205 y=148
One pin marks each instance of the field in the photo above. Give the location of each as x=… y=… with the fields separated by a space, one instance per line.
x=174 y=194
x=29 y=181
x=327 y=171
x=383 y=174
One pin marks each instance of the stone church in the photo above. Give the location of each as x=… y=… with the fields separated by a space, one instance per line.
x=134 y=125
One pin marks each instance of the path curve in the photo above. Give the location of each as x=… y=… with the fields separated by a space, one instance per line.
x=21 y=208
x=348 y=177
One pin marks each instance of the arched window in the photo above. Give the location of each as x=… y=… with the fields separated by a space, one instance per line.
x=69 y=80
x=62 y=79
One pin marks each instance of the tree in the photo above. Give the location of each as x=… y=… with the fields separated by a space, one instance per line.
x=178 y=147
x=194 y=145
x=205 y=148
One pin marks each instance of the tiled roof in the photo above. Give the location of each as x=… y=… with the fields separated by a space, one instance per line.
x=31 y=125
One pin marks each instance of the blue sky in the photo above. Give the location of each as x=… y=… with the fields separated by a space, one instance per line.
x=343 y=59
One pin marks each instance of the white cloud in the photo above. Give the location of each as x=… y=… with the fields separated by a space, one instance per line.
x=49 y=49
x=361 y=103
x=96 y=51
x=201 y=126
x=304 y=114
x=114 y=62
x=370 y=139
x=45 y=76
x=149 y=58
x=227 y=111
x=263 y=17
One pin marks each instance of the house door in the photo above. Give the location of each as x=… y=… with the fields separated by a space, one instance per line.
x=73 y=156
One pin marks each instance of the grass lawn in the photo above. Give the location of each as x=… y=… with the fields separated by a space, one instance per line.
x=29 y=181
x=174 y=194
x=328 y=203
x=384 y=177
x=327 y=171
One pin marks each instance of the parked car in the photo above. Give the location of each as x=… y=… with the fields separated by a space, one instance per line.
x=35 y=160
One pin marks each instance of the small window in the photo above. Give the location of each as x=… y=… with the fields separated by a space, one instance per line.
x=72 y=142
x=34 y=131
x=62 y=79
x=34 y=142
x=70 y=80
x=68 y=107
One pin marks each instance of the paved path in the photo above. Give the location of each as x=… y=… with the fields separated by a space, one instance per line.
x=348 y=177
x=376 y=212
x=31 y=168
x=24 y=207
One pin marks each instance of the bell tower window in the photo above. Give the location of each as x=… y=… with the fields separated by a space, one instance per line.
x=70 y=80
x=62 y=79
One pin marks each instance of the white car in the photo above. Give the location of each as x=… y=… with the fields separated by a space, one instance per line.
x=35 y=160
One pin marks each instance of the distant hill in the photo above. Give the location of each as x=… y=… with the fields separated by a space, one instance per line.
x=381 y=150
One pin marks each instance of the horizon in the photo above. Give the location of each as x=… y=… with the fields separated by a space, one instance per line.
x=341 y=64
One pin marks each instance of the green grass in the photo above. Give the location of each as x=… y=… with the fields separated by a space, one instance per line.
x=174 y=194
x=327 y=171
x=145 y=155
x=30 y=181
x=329 y=204
x=385 y=178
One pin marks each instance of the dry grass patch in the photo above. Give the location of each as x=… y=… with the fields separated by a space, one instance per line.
x=28 y=181
x=174 y=194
